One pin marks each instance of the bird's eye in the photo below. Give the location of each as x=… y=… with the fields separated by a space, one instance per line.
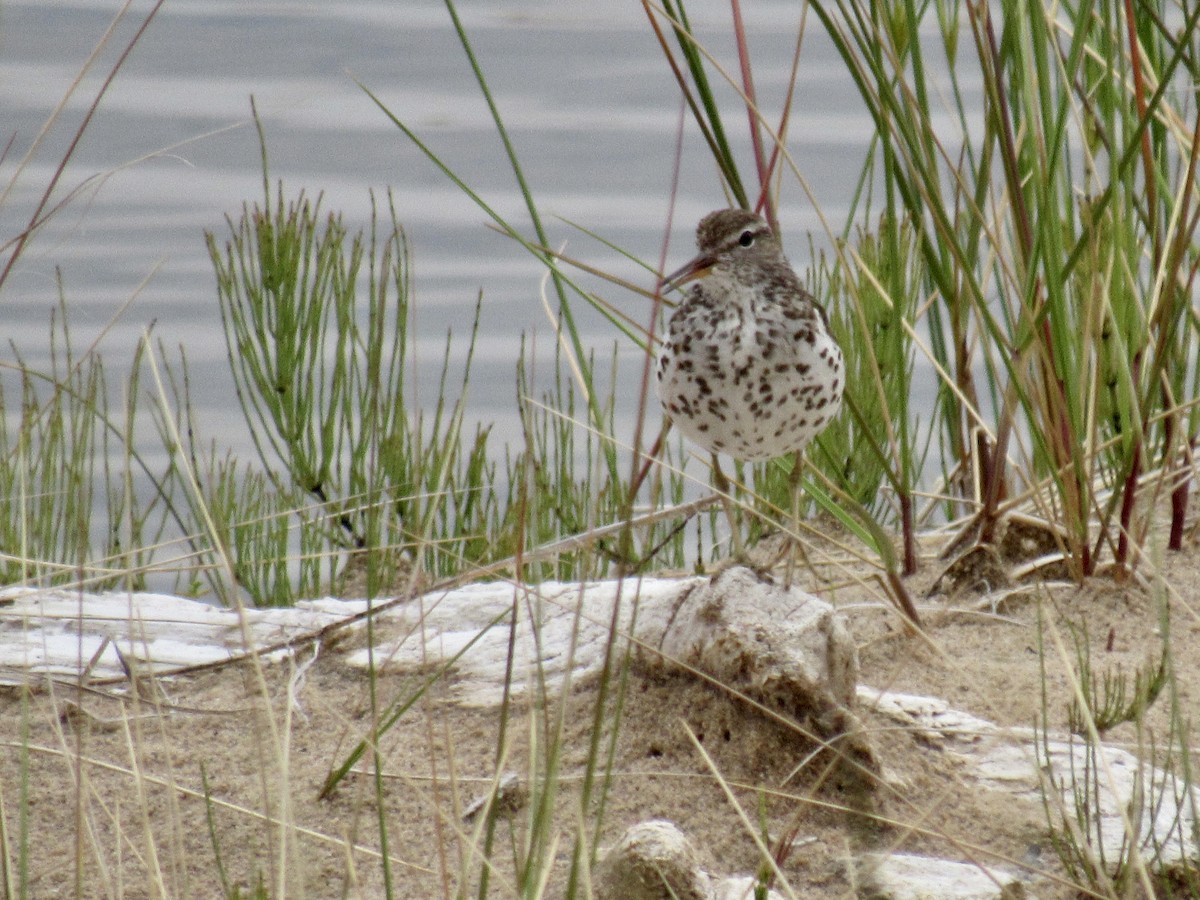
x=746 y=239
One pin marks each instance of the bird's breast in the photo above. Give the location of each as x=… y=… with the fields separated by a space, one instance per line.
x=754 y=385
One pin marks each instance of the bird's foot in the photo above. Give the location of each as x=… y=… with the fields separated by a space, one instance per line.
x=743 y=559
x=786 y=550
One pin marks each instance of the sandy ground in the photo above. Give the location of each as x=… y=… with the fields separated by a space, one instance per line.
x=114 y=779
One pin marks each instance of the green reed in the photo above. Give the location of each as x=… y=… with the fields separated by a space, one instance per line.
x=67 y=461
x=317 y=327
x=1056 y=234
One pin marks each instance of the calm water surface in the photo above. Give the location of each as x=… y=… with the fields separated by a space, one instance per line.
x=586 y=95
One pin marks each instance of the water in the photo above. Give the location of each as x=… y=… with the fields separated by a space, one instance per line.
x=587 y=97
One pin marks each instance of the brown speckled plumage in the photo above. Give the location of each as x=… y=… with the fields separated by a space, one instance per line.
x=748 y=366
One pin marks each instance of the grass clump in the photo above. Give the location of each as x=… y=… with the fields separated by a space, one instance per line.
x=1119 y=827
x=317 y=328
x=1057 y=243
x=68 y=510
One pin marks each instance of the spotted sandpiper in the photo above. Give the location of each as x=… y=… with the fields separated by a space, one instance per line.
x=748 y=365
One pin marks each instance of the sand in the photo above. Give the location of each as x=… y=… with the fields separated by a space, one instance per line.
x=113 y=779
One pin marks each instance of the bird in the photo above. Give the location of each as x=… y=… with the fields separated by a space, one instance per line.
x=748 y=365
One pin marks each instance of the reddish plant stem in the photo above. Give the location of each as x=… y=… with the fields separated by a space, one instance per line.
x=1183 y=237
x=906 y=529
x=903 y=598
x=764 y=194
x=36 y=219
x=1139 y=94
x=985 y=37
x=1128 y=496
x=1179 y=498
x=760 y=160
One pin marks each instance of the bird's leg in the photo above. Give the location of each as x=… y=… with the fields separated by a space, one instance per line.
x=721 y=483
x=793 y=538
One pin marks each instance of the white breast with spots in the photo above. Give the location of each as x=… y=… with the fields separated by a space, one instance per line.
x=749 y=381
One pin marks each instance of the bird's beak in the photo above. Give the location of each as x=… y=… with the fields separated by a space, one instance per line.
x=696 y=268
